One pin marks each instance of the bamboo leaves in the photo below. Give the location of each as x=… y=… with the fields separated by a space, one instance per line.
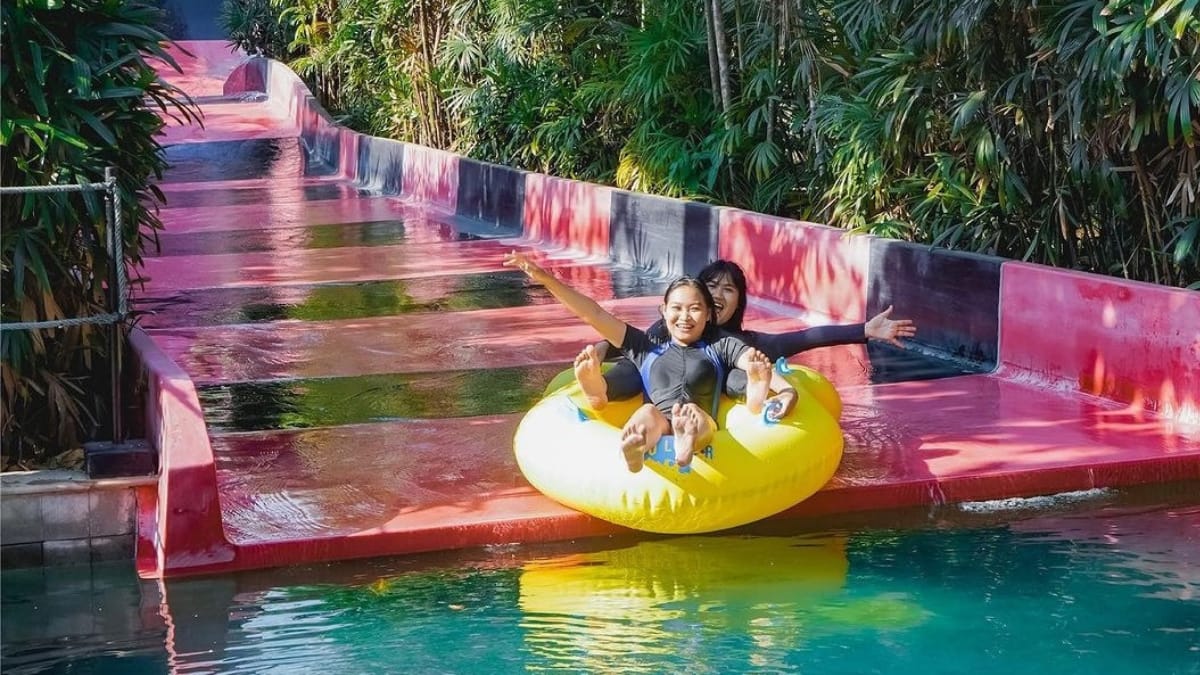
x=1061 y=132
x=76 y=91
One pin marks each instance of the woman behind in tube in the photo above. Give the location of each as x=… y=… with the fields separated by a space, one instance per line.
x=726 y=283
x=682 y=374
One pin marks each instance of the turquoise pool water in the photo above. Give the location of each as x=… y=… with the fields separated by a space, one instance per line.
x=1096 y=582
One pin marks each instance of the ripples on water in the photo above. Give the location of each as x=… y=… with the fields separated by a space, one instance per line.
x=1113 y=588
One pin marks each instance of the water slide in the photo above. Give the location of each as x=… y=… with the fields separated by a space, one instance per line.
x=335 y=360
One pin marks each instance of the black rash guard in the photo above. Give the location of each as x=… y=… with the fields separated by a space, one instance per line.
x=624 y=380
x=680 y=374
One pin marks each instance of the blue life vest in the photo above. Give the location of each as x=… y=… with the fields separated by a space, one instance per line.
x=711 y=353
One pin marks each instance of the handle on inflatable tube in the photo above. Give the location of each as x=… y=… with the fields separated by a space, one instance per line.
x=781 y=367
x=772 y=406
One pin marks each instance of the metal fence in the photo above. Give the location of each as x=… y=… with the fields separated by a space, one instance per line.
x=118 y=284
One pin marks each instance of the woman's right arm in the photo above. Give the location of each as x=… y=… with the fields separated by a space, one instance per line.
x=610 y=327
x=776 y=345
x=880 y=327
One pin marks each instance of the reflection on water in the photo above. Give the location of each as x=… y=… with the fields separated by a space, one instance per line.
x=264 y=196
x=1109 y=590
x=234 y=160
x=609 y=610
x=329 y=302
x=58 y=617
x=374 y=233
x=320 y=402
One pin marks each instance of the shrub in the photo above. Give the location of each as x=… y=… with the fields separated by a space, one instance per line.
x=78 y=96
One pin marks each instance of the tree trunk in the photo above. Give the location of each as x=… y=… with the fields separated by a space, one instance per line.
x=722 y=59
x=737 y=35
x=429 y=110
x=713 y=68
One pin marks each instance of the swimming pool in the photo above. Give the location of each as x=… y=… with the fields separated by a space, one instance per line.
x=1105 y=582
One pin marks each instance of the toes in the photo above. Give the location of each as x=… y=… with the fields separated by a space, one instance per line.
x=633 y=449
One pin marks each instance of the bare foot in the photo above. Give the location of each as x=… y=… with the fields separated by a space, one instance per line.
x=758 y=381
x=633 y=446
x=685 y=424
x=591 y=381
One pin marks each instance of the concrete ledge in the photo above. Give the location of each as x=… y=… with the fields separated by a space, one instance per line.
x=431 y=177
x=567 y=213
x=1126 y=341
x=669 y=237
x=186 y=515
x=250 y=76
x=379 y=164
x=953 y=296
x=65 y=518
x=290 y=98
x=491 y=194
x=57 y=481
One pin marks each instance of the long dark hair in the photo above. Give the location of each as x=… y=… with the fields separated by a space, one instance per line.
x=727 y=268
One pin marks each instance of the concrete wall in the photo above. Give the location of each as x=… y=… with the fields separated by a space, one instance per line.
x=1133 y=343
x=64 y=518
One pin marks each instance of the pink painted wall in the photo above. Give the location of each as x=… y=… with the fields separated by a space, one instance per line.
x=1131 y=342
x=821 y=268
x=430 y=176
x=187 y=526
x=569 y=213
x=347 y=160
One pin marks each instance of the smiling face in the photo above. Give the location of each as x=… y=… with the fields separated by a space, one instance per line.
x=686 y=312
x=726 y=280
x=726 y=297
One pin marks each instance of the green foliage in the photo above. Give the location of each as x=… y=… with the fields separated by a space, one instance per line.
x=255 y=27
x=1062 y=132
x=78 y=96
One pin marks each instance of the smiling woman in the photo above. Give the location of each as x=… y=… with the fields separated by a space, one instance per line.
x=726 y=282
x=682 y=375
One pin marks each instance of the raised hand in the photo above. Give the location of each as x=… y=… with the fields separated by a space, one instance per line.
x=522 y=262
x=881 y=327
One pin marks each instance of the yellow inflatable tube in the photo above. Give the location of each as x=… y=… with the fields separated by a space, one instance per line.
x=753 y=468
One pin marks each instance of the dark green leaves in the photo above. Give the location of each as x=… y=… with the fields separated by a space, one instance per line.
x=74 y=101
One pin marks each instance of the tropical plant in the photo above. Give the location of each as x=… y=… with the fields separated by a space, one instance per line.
x=78 y=96
x=1061 y=132
x=256 y=27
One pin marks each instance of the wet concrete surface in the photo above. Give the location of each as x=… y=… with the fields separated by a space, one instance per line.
x=337 y=235
x=231 y=160
x=334 y=301
x=338 y=401
x=268 y=195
